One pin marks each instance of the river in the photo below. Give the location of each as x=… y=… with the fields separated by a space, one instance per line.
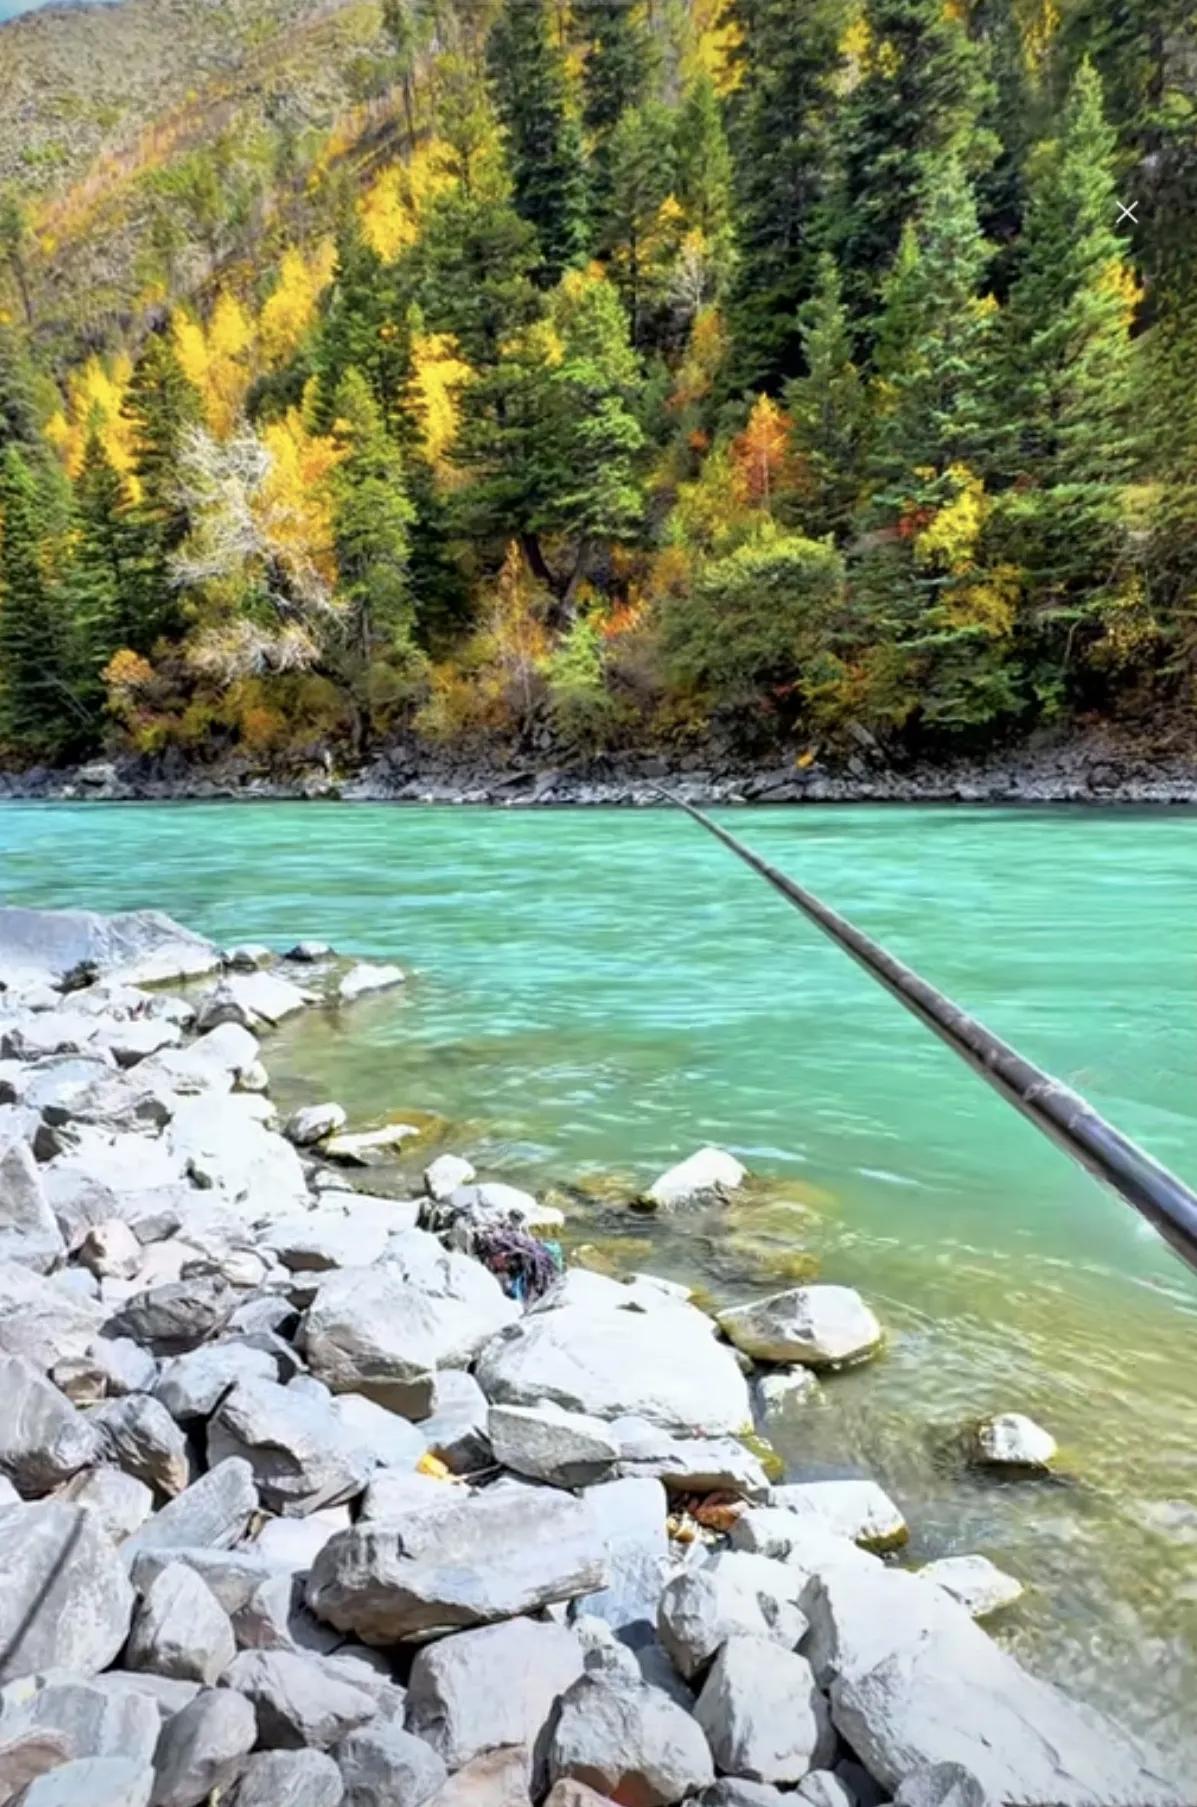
x=594 y=994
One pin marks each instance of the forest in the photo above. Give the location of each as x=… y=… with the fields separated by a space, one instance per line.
x=615 y=375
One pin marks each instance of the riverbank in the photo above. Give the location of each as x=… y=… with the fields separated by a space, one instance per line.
x=627 y=1587
x=1096 y=767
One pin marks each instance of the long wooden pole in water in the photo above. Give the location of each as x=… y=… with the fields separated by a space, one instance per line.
x=1052 y=1107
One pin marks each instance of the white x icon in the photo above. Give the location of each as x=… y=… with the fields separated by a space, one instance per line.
x=1127 y=213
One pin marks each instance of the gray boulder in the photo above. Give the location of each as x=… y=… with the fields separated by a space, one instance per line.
x=26 y=1755
x=289 y=1779
x=312 y=1122
x=444 y=1175
x=497 y=1780
x=955 y=1697
x=176 y=1317
x=301 y=1703
x=857 y=1509
x=211 y=1514
x=191 y=1386
x=383 y=1766
x=132 y=1042
x=824 y=1788
x=121 y=1502
x=66 y=1602
x=41 y=1322
x=389 y=1440
x=180 y=1629
x=110 y=1250
x=169 y=1697
x=275 y=1617
x=141 y=1437
x=943 y=1785
x=90 y=1720
x=688 y=1464
x=664 y=1366
x=566 y=1449
x=379 y=1332
x=316 y=1241
x=232 y=1576
x=92 y=1782
x=734 y=1791
x=494 y=1686
x=136 y=947
x=456 y=1428
x=301 y=1454
x=823 y=1326
x=124 y=1364
x=308 y=952
x=203 y=1748
x=251 y=999
x=631 y=1517
x=29 y=1234
x=762 y=1713
x=629 y=1741
x=223 y=1145
x=44 y=1439
x=731 y=1595
x=499 y=1553
x=975 y=1583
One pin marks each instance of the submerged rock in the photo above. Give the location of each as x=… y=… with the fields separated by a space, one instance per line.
x=313 y=1123
x=364 y=978
x=979 y=1586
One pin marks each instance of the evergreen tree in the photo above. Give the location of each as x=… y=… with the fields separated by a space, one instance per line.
x=364 y=328
x=616 y=75
x=828 y=409
x=919 y=98
x=106 y=582
x=594 y=493
x=1069 y=316
x=472 y=273
x=20 y=408
x=162 y=408
x=641 y=179
x=40 y=715
x=703 y=169
x=544 y=142
x=782 y=117
x=372 y=520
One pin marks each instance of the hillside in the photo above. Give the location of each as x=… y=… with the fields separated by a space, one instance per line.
x=525 y=376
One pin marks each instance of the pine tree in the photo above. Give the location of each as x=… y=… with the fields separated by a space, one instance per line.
x=105 y=585
x=594 y=493
x=40 y=714
x=781 y=122
x=364 y=328
x=162 y=408
x=616 y=75
x=828 y=408
x=703 y=170
x=372 y=521
x=472 y=273
x=1070 y=308
x=919 y=99
x=544 y=141
x=641 y=178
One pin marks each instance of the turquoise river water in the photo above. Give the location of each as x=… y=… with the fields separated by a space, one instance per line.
x=594 y=994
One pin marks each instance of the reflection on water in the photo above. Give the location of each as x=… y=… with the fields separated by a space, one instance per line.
x=593 y=995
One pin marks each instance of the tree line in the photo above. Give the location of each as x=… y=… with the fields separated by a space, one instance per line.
x=784 y=374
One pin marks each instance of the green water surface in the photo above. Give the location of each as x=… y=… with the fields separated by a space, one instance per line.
x=594 y=994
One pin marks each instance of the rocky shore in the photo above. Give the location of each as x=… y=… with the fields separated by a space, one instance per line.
x=1093 y=768
x=317 y=1496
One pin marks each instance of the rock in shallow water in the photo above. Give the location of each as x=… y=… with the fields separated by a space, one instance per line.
x=857 y=1509
x=979 y=1586
x=1011 y=1440
x=711 y=1173
x=364 y=978
x=506 y=1551
x=822 y=1326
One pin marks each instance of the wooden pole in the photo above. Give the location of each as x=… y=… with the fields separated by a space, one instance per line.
x=1054 y=1108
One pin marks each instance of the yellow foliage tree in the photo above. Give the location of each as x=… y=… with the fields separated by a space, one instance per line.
x=220 y=360
x=95 y=395
x=762 y=456
x=438 y=375
x=290 y=308
x=294 y=502
x=394 y=205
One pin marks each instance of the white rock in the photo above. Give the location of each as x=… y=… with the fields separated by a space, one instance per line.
x=565 y=1449
x=732 y=1594
x=446 y=1174
x=44 y=1439
x=92 y=1782
x=630 y=1742
x=710 y=1173
x=136 y=947
x=490 y=1687
x=180 y=1629
x=979 y=1586
x=66 y=1602
x=494 y=1202
x=121 y=1502
x=359 y=1148
x=786 y=1392
x=1011 y=1440
x=762 y=1713
x=313 y=1123
x=823 y=1326
x=364 y=978
x=28 y=1233
x=203 y=1748
x=300 y=1702
x=857 y=1509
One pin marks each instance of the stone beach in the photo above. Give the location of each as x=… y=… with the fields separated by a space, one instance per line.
x=312 y=1495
